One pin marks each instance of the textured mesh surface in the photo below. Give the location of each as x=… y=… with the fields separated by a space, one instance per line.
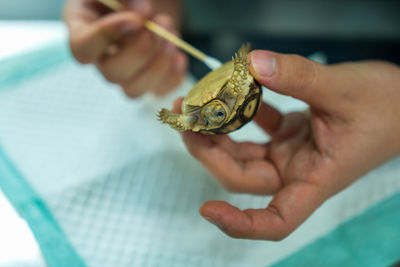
x=143 y=213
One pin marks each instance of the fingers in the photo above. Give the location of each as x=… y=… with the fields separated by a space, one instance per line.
x=123 y=50
x=159 y=70
x=244 y=151
x=144 y=62
x=150 y=78
x=178 y=60
x=288 y=209
x=176 y=106
x=90 y=41
x=134 y=53
x=130 y=57
x=144 y=7
x=298 y=77
x=174 y=77
x=268 y=118
x=232 y=170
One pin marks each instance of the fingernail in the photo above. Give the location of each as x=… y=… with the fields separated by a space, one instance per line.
x=263 y=63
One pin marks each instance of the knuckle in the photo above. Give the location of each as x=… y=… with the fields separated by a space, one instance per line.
x=82 y=58
x=111 y=78
x=233 y=234
x=130 y=92
x=79 y=52
x=278 y=236
x=304 y=74
x=281 y=231
x=108 y=75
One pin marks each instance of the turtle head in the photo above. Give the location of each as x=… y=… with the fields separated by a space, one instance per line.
x=215 y=113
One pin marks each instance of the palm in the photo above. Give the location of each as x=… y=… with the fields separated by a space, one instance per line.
x=291 y=150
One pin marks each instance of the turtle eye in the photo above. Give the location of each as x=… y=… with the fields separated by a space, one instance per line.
x=221 y=114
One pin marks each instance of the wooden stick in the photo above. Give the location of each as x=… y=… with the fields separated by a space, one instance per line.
x=157 y=29
x=113 y=4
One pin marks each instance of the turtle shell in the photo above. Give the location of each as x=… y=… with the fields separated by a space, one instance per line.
x=209 y=86
x=230 y=76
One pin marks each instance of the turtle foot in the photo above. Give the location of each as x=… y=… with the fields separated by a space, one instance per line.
x=176 y=121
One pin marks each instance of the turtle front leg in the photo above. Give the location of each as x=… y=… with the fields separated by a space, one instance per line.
x=179 y=122
x=241 y=78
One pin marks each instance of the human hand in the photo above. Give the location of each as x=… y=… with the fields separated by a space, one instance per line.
x=352 y=127
x=122 y=49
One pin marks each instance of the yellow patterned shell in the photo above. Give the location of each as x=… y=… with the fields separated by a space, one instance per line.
x=209 y=86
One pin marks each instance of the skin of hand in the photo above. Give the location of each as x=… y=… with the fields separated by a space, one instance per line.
x=123 y=50
x=352 y=126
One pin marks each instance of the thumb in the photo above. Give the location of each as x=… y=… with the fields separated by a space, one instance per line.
x=292 y=75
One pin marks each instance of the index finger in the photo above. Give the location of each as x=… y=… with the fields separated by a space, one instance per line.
x=288 y=209
x=77 y=12
x=252 y=175
x=89 y=40
x=85 y=11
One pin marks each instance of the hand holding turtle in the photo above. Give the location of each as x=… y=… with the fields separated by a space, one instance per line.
x=122 y=49
x=352 y=127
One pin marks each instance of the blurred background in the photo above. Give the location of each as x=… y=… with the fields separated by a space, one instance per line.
x=343 y=30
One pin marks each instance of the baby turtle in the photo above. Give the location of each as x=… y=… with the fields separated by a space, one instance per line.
x=222 y=101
